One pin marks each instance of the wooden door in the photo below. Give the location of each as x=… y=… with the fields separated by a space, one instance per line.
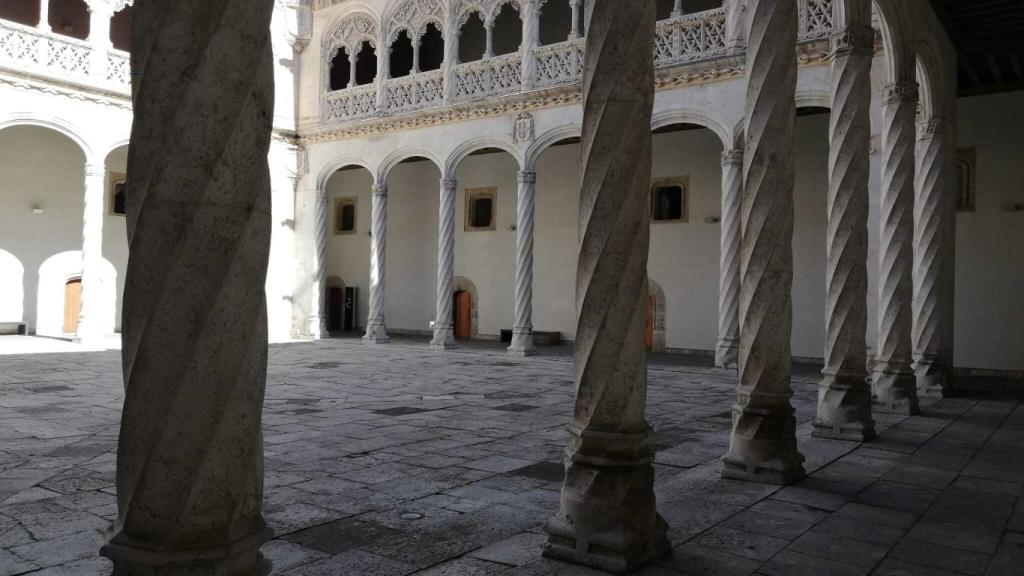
x=463 y=314
x=649 y=340
x=72 y=305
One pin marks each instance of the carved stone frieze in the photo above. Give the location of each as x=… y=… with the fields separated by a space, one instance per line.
x=350 y=33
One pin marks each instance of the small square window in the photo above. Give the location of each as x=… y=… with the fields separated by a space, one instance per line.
x=967 y=168
x=345 y=216
x=669 y=200
x=480 y=209
x=118 y=197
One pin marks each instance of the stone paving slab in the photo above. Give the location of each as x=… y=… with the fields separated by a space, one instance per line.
x=396 y=460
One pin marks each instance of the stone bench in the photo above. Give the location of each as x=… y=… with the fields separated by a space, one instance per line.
x=540 y=337
x=8 y=328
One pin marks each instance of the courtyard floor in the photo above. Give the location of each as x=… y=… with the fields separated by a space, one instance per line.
x=400 y=460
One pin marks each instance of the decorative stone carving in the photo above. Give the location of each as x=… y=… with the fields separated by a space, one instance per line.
x=375 y=332
x=727 y=349
x=350 y=33
x=444 y=330
x=932 y=207
x=523 y=132
x=414 y=15
x=190 y=452
x=522 y=333
x=763 y=444
x=844 y=395
x=895 y=387
x=608 y=518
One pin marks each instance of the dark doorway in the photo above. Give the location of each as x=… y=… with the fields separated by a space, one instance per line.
x=335 y=308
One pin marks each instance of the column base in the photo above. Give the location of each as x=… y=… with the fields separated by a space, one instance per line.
x=444 y=339
x=239 y=558
x=522 y=343
x=932 y=379
x=763 y=448
x=375 y=334
x=608 y=518
x=894 y=391
x=727 y=354
x=317 y=327
x=844 y=409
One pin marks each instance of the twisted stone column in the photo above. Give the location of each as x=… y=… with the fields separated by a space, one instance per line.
x=318 y=310
x=451 y=55
x=844 y=395
x=728 y=348
x=375 y=332
x=895 y=387
x=763 y=442
x=531 y=39
x=90 y=320
x=930 y=214
x=444 y=327
x=190 y=450
x=522 y=334
x=608 y=518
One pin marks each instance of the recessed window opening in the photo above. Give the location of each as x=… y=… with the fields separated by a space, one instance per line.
x=668 y=201
x=121 y=29
x=431 y=49
x=401 y=55
x=366 y=64
x=508 y=31
x=480 y=208
x=341 y=70
x=118 y=194
x=555 y=21
x=21 y=11
x=70 y=18
x=345 y=216
x=472 y=39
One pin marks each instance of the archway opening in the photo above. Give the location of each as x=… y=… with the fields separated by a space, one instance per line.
x=72 y=305
x=121 y=29
x=400 y=63
x=431 y=48
x=70 y=18
x=508 y=30
x=472 y=39
x=341 y=69
x=347 y=250
x=366 y=64
x=555 y=21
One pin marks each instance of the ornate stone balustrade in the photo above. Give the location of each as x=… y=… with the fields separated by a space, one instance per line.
x=488 y=78
x=351 y=104
x=689 y=38
x=815 y=19
x=414 y=92
x=560 y=63
x=27 y=49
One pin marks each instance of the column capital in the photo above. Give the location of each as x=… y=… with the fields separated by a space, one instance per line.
x=380 y=190
x=320 y=195
x=933 y=127
x=95 y=170
x=449 y=184
x=527 y=177
x=732 y=156
x=855 y=40
x=904 y=91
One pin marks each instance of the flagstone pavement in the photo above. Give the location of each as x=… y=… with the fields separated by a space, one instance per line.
x=394 y=460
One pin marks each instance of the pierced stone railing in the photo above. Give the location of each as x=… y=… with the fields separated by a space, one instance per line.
x=414 y=92
x=560 y=63
x=352 y=103
x=488 y=78
x=815 y=19
x=689 y=38
x=27 y=49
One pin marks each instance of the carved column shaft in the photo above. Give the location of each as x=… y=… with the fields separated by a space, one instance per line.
x=444 y=333
x=931 y=210
x=736 y=26
x=763 y=442
x=353 y=59
x=574 y=6
x=844 y=396
x=531 y=39
x=318 y=305
x=190 y=450
x=489 y=48
x=727 y=351
x=383 y=67
x=677 y=8
x=451 y=56
x=608 y=516
x=44 y=16
x=90 y=320
x=522 y=334
x=375 y=331
x=895 y=387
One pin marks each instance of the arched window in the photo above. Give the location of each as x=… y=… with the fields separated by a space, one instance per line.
x=70 y=18
x=665 y=8
x=121 y=29
x=366 y=64
x=400 y=63
x=341 y=70
x=118 y=197
x=472 y=39
x=508 y=30
x=21 y=11
x=431 y=49
x=555 y=21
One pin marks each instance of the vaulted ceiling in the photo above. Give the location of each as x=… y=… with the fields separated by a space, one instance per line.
x=989 y=38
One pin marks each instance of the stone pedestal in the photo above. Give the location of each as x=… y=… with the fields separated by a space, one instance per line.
x=895 y=385
x=190 y=450
x=375 y=332
x=522 y=334
x=444 y=328
x=762 y=446
x=608 y=517
x=844 y=395
x=727 y=349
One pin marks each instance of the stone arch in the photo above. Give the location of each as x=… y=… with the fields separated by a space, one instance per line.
x=399 y=156
x=334 y=165
x=546 y=140
x=808 y=98
x=54 y=123
x=466 y=148
x=460 y=284
x=54 y=273
x=334 y=281
x=348 y=32
x=12 y=288
x=655 y=292
x=497 y=7
x=412 y=15
x=697 y=118
x=896 y=17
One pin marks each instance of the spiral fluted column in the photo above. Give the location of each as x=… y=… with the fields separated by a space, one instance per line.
x=91 y=321
x=522 y=333
x=452 y=35
x=728 y=347
x=895 y=387
x=763 y=442
x=844 y=395
x=608 y=517
x=444 y=327
x=317 y=323
x=531 y=39
x=930 y=213
x=375 y=332
x=190 y=450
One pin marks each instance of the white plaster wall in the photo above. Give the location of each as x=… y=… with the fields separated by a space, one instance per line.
x=411 y=263
x=12 y=288
x=348 y=255
x=557 y=213
x=990 y=241
x=810 y=222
